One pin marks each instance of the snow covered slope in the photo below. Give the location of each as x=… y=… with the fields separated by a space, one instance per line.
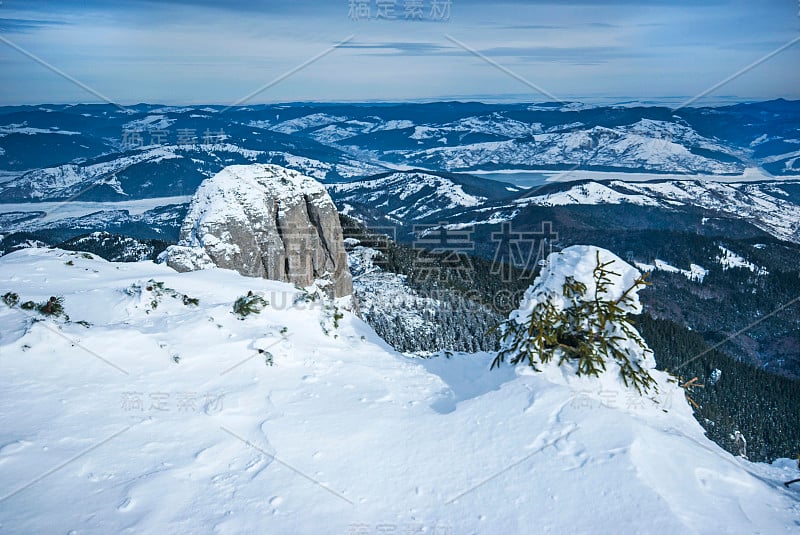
x=589 y=193
x=166 y=418
x=764 y=204
x=416 y=195
x=159 y=171
x=639 y=146
x=694 y=273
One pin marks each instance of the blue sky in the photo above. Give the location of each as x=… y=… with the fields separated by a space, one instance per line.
x=204 y=51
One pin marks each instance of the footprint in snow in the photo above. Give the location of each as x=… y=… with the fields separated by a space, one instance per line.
x=125 y=505
x=201 y=454
x=552 y=437
x=573 y=452
x=14 y=447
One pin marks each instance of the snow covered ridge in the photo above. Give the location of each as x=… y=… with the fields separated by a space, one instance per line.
x=23 y=128
x=588 y=194
x=647 y=145
x=55 y=182
x=384 y=293
x=758 y=203
x=407 y=196
x=191 y=431
x=67 y=180
x=122 y=248
x=643 y=144
x=413 y=184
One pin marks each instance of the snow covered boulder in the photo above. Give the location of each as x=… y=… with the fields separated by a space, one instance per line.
x=575 y=316
x=264 y=221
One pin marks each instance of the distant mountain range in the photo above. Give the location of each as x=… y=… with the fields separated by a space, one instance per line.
x=103 y=153
x=408 y=163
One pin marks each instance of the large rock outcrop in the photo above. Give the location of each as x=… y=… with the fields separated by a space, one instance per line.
x=264 y=221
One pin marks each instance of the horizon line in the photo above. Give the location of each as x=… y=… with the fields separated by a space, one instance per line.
x=478 y=99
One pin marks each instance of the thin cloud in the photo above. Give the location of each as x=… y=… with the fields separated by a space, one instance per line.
x=401 y=48
x=26 y=25
x=576 y=55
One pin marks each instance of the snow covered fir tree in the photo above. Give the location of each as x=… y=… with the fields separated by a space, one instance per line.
x=576 y=314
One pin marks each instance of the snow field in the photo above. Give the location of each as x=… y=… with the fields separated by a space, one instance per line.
x=340 y=433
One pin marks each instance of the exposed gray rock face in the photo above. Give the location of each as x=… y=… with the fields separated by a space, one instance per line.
x=264 y=221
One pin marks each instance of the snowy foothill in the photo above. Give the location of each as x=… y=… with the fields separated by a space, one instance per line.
x=729 y=260
x=150 y=412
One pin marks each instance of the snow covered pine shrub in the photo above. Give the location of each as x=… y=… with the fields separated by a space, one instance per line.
x=576 y=314
x=52 y=307
x=249 y=304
